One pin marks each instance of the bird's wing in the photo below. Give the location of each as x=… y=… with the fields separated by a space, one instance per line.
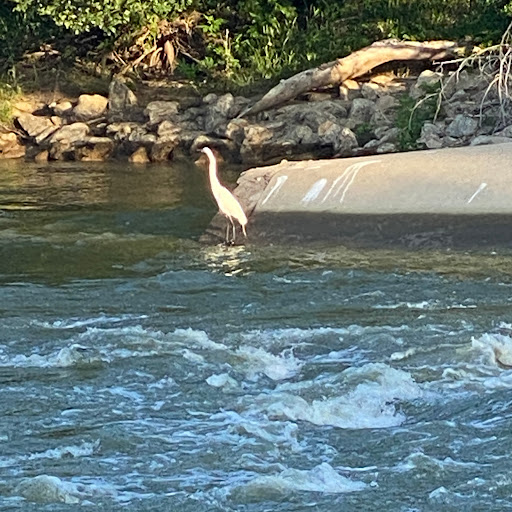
x=229 y=205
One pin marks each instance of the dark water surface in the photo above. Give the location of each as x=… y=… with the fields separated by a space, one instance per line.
x=141 y=370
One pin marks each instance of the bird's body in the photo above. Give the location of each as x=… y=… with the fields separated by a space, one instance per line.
x=228 y=204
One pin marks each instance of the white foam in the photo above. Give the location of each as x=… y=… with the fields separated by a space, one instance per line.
x=370 y=404
x=322 y=478
x=496 y=349
x=74 y=323
x=280 y=367
x=222 y=380
x=51 y=489
x=83 y=450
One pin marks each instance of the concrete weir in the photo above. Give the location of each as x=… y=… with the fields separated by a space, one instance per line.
x=458 y=197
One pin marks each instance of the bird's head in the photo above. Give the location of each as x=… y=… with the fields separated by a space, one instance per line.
x=208 y=152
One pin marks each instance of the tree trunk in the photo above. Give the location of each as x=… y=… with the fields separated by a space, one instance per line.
x=352 y=66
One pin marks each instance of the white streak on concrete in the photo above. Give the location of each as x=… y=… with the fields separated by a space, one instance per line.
x=277 y=185
x=478 y=190
x=346 y=179
x=314 y=191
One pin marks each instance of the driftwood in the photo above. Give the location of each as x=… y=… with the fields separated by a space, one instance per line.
x=354 y=65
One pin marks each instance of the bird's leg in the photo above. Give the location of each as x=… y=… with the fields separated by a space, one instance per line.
x=234 y=231
x=227 y=233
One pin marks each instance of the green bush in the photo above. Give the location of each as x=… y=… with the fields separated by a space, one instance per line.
x=248 y=40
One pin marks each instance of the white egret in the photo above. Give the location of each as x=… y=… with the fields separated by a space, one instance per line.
x=227 y=202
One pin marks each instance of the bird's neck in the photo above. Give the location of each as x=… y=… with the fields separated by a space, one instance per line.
x=212 y=169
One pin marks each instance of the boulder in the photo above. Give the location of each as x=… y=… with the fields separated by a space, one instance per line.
x=70 y=133
x=139 y=156
x=94 y=149
x=482 y=140
x=33 y=125
x=387 y=147
x=462 y=126
x=122 y=130
x=42 y=156
x=90 y=106
x=346 y=142
x=120 y=96
x=427 y=82
x=370 y=91
x=46 y=133
x=163 y=150
x=387 y=102
x=235 y=130
x=361 y=111
x=431 y=136
x=10 y=146
x=158 y=111
x=505 y=132
x=63 y=108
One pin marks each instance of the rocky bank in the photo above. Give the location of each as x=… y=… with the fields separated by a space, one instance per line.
x=361 y=118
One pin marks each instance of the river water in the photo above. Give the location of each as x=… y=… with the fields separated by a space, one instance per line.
x=141 y=370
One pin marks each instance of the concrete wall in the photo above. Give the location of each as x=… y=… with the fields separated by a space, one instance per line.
x=459 y=197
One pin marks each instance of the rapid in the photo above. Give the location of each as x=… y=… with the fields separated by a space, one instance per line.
x=143 y=370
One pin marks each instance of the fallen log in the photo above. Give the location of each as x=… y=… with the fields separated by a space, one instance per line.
x=352 y=66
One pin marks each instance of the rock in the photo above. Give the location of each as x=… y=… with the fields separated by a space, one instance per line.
x=218 y=114
x=42 y=156
x=506 y=132
x=361 y=111
x=61 y=150
x=120 y=96
x=372 y=144
x=370 y=91
x=20 y=107
x=350 y=90
x=90 y=106
x=94 y=149
x=63 y=108
x=387 y=147
x=33 y=125
x=430 y=136
x=70 y=133
x=158 y=111
x=462 y=126
x=460 y=95
x=329 y=132
x=121 y=131
x=140 y=136
x=163 y=150
x=256 y=135
x=210 y=98
x=346 y=142
x=56 y=120
x=139 y=156
x=387 y=102
x=235 y=130
x=10 y=146
x=305 y=136
x=390 y=135
x=489 y=139
x=451 y=142
x=226 y=106
x=427 y=82
x=46 y=133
